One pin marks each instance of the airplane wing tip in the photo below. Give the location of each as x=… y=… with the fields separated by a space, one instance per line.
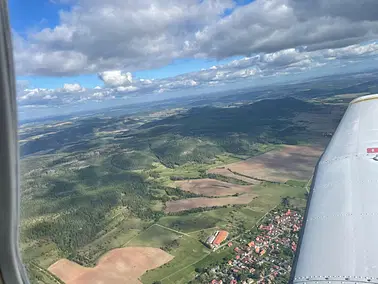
x=364 y=98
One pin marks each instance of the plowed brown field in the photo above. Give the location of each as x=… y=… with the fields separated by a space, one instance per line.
x=190 y=203
x=212 y=187
x=223 y=171
x=123 y=265
x=289 y=163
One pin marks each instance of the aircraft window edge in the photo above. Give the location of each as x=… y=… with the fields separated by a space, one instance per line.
x=11 y=267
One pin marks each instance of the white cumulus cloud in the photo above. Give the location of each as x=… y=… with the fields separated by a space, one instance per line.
x=126 y=89
x=116 y=78
x=73 y=88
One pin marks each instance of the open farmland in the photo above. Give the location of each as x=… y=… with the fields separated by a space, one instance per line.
x=106 y=188
x=124 y=265
x=289 y=163
x=198 y=202
x=211 y=187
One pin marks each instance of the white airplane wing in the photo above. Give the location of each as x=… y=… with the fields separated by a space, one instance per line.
x=339 y=241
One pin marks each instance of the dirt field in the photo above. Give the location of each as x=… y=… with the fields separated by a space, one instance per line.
x=212 y=187
x=124 y=265
x=290 y=162
x=190 y=203
x=225 y=172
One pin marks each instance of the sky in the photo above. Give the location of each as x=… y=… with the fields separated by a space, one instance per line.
x=73 y=55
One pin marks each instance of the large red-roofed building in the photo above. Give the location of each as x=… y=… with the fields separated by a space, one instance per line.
x=222 y=235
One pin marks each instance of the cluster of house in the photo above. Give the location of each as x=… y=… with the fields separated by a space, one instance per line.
x=217 y=238
x=266 y=256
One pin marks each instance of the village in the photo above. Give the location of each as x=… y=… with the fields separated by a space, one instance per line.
x=264 y=255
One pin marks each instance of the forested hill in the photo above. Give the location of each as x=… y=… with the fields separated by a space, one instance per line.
x=265 y=121
x=218 y=122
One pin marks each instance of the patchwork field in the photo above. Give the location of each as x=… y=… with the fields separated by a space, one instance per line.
x=199 y=202
x=124 y=265
x=212 y=187
x=289 y=163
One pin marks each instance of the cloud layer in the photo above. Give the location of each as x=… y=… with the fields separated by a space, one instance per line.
x=97 y=36
x=118 y=84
